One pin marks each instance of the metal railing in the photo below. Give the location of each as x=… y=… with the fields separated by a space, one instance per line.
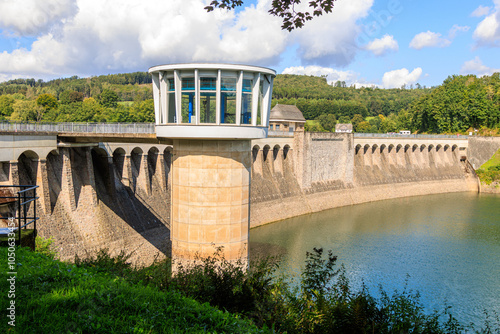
x=146 y=128
x=397 y=135
x=149 y=128
x=23 y=198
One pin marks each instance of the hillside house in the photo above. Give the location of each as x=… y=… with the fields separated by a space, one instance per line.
x=286 y=118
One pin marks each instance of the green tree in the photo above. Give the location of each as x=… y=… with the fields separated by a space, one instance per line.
x=460 y=103
x=364 y=127
x=47 y=101
x=327 y=121
x=6 y=106
x=70 y=96
x=340 y=84
x=64 y=97
x=389 y=124
x=356 y=120
x=108 y=98
x=313 y=127
x=27 y=111
x=76 y=97
x=375 y=123
x=143 y=111
x=344 y=120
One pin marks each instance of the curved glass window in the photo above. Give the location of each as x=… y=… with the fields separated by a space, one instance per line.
x=228 y=101
x=260 y=97
x=246 y=102
x=171 y=101
x=187 y=102
x=208 y=101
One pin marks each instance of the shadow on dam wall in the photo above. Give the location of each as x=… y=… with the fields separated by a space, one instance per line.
x=329 y=172
x=89 y=204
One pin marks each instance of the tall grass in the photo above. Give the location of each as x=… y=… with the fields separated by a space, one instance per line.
x=57 y=297
x=489 y=172
x=322 y=302
x=106 y=294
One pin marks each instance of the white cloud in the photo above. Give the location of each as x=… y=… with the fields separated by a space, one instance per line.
x=332 y=39
x=480 y=11
x=332 y=75
x=487 y=32
x=380 y=46
x=89 y=37
x=476 y=66
x=398 y=78
x=127 y=35
x=34 y=17
x=428 y=39
x=456 y=29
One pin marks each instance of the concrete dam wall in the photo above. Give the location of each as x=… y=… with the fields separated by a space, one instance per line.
x=91 y=200
x=481 y=149
x=329 y=170
x=118 y=195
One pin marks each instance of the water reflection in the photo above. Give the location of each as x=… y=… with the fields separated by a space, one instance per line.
x=448 y=244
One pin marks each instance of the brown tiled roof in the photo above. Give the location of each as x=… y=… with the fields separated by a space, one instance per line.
x=286 y=112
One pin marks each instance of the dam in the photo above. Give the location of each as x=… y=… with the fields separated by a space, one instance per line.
x=113 y=190
x=209 y=169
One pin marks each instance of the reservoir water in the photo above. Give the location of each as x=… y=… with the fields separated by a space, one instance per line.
x=445 y=246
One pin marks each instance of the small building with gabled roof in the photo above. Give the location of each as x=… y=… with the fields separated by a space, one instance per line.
x=286 y=118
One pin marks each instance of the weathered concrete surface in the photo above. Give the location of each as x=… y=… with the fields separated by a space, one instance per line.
x=330 y=171
x=13 y=145
x=118 y=195
x=210 y=199
x=268 y=212
x=90 y=205
x=481 y=149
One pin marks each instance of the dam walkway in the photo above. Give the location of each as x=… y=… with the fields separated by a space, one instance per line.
x=149 y=128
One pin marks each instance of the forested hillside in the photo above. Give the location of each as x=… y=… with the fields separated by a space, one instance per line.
x=107 y=98
x=316 y=97
x=460 y=104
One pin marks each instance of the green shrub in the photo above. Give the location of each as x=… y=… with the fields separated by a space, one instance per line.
x=104 y=293
x=44 y=246
x=232 y=286
x=57 y=297
x=494 y=168
x=489 y=176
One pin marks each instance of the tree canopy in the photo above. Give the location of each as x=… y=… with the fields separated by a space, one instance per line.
x=285 y=9
x=460 y=103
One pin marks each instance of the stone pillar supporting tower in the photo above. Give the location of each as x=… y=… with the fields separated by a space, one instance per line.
x=211 y=112
x=210 y=203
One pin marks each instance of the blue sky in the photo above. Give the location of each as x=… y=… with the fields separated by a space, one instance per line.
x=384 y=43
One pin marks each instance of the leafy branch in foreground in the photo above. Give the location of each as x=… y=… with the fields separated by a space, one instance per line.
x=292 y=19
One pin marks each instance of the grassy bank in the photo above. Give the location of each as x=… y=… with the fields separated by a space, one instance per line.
x=104 y=294
x=57 y=297
x=489 y=172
